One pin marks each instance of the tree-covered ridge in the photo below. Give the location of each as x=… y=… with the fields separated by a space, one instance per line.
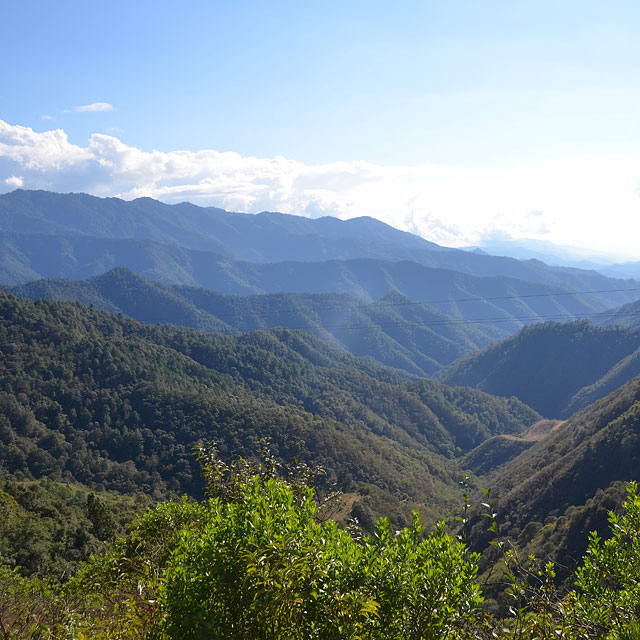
x=555 y=368
x=395 y=330
x=562 y=486
x=103 y=400
x=628 y=315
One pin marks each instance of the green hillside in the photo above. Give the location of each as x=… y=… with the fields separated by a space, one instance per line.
x=562 y=486
x=555 y=368
x=111 y=403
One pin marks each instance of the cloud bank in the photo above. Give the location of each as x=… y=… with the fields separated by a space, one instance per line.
x=589 y=202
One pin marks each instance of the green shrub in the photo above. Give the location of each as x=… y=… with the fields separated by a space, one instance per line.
x=607 y=595
x=263 y=568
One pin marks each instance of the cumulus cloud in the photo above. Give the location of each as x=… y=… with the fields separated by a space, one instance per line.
x=589 y=202
x=95 y=106
x=16 y=182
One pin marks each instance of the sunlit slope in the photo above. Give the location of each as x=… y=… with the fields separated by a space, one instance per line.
x=560 y=488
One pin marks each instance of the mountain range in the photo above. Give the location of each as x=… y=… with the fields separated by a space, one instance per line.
x=262 y=238
x=76 y=236
x=103 y=400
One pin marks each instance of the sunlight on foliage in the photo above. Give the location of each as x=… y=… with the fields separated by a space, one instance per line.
x=254 y=561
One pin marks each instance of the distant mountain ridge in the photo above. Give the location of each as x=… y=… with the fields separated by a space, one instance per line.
x=261 y=238
x=504 y=303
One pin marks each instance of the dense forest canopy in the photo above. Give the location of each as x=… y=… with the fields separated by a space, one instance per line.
x=106 y=401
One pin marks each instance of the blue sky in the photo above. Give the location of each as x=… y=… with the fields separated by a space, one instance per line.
x=475 y=93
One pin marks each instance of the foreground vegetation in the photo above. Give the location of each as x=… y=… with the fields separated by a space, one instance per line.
x=260 y=558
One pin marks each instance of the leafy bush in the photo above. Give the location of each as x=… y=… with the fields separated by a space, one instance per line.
x=259 y=559
x=263 y=568
x=607 y=596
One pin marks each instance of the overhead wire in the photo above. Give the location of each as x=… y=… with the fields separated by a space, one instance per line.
x=378 y=305
x=444 y=322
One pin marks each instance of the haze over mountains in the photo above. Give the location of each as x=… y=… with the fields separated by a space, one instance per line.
x=552 y=254
x=394 y=330
x=47 y=235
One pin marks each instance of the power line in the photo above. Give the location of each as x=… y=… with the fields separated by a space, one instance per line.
x=451 y=321
x=429 y=302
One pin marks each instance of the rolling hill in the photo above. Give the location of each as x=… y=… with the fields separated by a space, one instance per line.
x=395 y=330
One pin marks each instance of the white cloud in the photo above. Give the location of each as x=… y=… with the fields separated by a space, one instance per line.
x=47 y=117
x=96 y=106
x=15 y=182
x=591 y=202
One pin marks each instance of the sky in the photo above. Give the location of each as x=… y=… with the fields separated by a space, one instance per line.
x=465 y=122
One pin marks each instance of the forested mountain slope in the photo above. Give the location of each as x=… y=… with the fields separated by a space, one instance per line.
x=139 y=230
x=395 y=330
x=560 y=488
x=109 y=402
x=555 y=368
x=628 y=315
